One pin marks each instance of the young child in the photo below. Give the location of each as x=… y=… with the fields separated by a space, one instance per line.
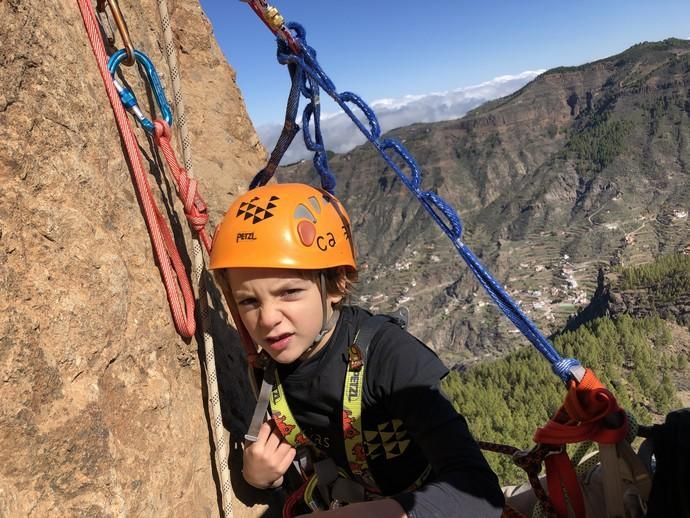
x=284 y=257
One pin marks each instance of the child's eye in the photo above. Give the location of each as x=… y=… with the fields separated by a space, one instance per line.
x=292 y=293
x=249 y=301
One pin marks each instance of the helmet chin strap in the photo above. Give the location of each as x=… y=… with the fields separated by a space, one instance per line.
x=327 y=323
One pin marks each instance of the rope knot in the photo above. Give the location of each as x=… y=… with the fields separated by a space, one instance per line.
x=531 y=460
x=563 y=367
x=195 y=208
x=161 y=130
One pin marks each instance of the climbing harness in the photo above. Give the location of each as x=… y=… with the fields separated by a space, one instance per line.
x=194 y=207
x=335 y=486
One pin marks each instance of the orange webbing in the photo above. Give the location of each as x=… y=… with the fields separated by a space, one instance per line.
x=586 y=415
x=589 y=412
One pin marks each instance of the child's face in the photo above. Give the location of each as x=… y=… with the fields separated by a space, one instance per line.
x=281 y=309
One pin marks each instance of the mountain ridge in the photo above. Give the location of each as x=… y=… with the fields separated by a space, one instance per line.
x=582 y=168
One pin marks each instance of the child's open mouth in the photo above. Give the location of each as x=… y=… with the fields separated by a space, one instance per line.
x=278 y=343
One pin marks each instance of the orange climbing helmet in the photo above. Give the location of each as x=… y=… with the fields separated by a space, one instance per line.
x=289 y=225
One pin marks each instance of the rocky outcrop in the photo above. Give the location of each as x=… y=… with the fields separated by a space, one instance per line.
x=641 y=303
x=610 y=300
x=101 y=402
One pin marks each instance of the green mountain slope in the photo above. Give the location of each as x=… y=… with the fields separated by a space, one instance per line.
x=641 y=358
x=583 y=168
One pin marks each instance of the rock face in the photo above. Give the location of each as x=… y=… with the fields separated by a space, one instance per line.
x=610 y=299
x=101 y=402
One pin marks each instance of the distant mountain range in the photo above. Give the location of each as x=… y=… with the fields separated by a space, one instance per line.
x=583 y=168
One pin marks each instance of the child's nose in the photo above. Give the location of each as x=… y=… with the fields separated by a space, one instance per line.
x=270 y=315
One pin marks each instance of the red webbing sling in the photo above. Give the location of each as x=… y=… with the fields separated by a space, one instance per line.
x=590 y=412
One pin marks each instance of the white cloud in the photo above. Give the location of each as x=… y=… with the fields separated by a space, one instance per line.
x=341 y=135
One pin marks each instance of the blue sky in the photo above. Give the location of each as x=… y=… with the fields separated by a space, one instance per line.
x=381 y=49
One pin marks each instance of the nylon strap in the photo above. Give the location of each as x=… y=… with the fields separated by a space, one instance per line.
x=352 y=401
x=561 y=481
x=640 y=476
x=612 y=481
x=284 y=419
x=261 y=404
x=620 y=462
x=352 y=409
x=352 y=416
x=290 y=129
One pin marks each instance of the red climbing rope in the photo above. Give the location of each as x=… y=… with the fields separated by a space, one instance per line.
x=194 y=206
x=170 y=264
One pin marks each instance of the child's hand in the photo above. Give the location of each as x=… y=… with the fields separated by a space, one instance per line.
x=267 y=459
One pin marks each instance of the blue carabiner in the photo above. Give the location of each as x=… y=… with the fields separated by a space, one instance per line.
x=127 y=96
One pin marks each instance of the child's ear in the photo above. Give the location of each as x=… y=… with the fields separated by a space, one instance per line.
x=335 y=298
x=338 y=285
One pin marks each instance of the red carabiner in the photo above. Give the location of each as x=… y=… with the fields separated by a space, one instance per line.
x=274 y=21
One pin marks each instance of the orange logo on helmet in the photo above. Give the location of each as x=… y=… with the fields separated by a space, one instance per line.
x=307 y=232
x=306 y=229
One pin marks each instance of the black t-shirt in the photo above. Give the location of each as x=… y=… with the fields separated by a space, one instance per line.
x=408 y=423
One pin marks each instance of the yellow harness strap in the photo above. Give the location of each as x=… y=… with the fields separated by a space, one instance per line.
x=353 y=391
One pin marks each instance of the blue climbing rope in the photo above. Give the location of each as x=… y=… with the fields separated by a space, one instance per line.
x=307 y=79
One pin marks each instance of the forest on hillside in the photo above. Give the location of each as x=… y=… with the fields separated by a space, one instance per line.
x=665 y=279
x=506 y=400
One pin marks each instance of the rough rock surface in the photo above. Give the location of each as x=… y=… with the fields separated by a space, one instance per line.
x=610 y=299
x=101 y=402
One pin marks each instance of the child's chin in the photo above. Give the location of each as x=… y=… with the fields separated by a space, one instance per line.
x=285 y=357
